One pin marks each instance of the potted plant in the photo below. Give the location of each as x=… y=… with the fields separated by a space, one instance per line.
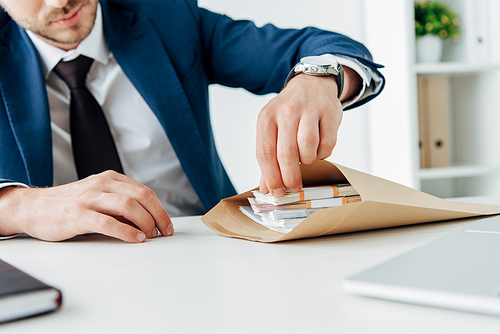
x=434 y=21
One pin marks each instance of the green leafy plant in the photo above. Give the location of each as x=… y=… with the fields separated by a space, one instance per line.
x=436 y=18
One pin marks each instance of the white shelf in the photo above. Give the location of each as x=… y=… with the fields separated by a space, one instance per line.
x=450 y=68
x=457 y=172
x=472 y=67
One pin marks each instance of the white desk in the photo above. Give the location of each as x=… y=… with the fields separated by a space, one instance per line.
x=200 y=282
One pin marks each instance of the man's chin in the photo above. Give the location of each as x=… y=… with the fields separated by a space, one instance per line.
x=64 y=40
x=69 y=37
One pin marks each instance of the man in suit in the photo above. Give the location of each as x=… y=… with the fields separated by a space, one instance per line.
x=151 y=62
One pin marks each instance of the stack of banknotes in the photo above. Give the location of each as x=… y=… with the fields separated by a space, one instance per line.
x=287 y=212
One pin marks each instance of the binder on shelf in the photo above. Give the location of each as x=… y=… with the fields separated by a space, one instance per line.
x=494 y=22
x=439 y=121
x=423 y=123
x=478 y=41
x=433 y=121
x=477 y=24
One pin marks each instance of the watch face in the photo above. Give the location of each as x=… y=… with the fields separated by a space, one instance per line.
x=319 y=61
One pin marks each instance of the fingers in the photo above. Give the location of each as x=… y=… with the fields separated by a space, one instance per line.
x=308 y=139
x=263 y=186
x=328 y=133
x=118 y=205
x=277 y=153
x=123 y=196
x=328 y=130
x=266 y=155
x=298 y=126
x=288 y=153
x=104 y=224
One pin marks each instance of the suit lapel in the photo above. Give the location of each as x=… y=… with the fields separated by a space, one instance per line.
x=140 y=52
x=22 y=87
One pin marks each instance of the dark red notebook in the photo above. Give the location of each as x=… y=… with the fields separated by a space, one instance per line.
x=22 y=296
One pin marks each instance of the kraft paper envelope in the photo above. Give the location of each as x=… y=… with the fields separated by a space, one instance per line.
x=384 y=204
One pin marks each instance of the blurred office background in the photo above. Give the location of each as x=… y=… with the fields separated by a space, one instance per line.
x=382 y=138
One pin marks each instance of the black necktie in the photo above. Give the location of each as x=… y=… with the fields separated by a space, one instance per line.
x=94 y=150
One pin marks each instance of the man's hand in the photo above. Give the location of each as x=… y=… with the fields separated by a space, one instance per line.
x=108 y=203
x=300 y=125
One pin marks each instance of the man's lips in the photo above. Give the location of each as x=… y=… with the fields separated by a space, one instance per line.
x=70 y=19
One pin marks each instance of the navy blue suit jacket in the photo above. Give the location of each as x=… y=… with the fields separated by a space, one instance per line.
x=171 y=51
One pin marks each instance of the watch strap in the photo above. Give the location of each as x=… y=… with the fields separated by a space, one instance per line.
x=340 y=81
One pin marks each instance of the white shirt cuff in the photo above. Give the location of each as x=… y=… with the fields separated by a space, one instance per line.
x=11 y=184
x=358 y=68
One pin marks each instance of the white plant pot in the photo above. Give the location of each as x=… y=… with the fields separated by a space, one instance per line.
x=429 y=49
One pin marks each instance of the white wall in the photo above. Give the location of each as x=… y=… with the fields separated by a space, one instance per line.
x=393 y=119
x=234 y=111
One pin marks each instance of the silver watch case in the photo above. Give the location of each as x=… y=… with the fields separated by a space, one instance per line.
x=317 y=66
x=314 y=65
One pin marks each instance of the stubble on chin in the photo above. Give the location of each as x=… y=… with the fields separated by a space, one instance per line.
x=44 y=27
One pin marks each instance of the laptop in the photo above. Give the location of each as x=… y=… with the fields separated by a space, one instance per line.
x=458 y=271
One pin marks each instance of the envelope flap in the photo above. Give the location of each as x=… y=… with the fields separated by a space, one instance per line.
x=370 y=215
x=372 y=188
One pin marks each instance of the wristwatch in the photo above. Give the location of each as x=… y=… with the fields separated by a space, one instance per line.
x=320 y=66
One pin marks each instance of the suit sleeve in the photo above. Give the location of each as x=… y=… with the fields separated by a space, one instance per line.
x=240 y=54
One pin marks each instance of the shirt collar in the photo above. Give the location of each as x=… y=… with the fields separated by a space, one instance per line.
x=93 y=46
